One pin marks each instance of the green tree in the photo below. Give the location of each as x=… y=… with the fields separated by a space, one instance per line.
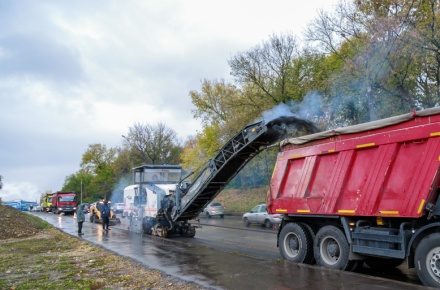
x=426 y=38
x=98 y=160
x=124 y=163
x=224 y=108
x=193 y=157
x=81 y=180
x=386 y=48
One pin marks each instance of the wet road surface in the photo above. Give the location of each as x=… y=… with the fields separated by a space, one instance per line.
x=221 y=256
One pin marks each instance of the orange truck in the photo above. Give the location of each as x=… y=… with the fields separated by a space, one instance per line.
x=362 y=194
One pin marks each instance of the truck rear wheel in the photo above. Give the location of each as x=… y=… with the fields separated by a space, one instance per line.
x=331 y=249
x=296 y=244
x=312 y=235
x=427 y=260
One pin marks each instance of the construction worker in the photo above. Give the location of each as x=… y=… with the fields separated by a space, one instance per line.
x=105 y=214
x=80 y=218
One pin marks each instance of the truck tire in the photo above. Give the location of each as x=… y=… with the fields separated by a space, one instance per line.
x=331 y=249
x=296 y=244
x=427 y=260
x=312 y=234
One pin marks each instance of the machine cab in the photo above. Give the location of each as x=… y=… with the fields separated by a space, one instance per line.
x=153 y=182
x=157 y=174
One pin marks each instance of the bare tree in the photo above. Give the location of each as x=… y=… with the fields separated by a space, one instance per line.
x=267 y=68
x=154 y=144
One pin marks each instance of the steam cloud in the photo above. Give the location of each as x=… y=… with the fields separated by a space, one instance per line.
x=309 y=108
x=284 y=120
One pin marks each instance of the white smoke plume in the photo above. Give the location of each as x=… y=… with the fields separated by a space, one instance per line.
x=280 y=110
x=310 y=108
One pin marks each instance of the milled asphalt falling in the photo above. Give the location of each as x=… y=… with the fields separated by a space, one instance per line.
x=231 y=265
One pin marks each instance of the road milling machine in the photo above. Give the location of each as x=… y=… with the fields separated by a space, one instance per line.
x=161 y=202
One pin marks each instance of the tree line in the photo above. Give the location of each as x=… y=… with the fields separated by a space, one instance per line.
x=105 y=172
x=363 y=61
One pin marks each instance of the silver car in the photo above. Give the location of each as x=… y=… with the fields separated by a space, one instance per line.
x=119 y=207
x=214 y=209
x=259 y=215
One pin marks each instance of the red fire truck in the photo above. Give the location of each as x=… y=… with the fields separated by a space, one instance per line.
x=362 y=194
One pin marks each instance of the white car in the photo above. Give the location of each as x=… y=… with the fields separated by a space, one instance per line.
x=214 y=209
x=118 y=207
x=259 y=215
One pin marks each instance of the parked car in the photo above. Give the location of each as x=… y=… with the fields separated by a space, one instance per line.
x=214 y=209
x=118 y=207
x=259 y=215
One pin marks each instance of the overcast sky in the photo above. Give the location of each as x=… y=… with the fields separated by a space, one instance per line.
x=74 y=73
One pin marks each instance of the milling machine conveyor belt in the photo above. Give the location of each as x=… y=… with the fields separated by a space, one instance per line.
x=236 y=153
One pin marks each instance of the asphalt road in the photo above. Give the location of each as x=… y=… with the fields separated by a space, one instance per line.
x=226 y=255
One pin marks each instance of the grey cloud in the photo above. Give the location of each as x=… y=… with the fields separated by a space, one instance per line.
x=63 y=62
x=36 y=55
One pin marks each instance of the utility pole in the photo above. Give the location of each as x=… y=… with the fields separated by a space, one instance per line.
x=82 y=174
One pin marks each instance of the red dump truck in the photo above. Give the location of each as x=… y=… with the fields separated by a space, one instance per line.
x=64 y=202
x=362 y=194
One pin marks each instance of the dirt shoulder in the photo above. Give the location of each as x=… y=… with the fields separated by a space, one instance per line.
x=35 y=255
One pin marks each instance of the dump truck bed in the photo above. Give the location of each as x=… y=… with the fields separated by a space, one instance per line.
x=384 y=168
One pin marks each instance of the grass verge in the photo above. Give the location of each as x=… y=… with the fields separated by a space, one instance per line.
x=238 y=201
x=54 y=260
